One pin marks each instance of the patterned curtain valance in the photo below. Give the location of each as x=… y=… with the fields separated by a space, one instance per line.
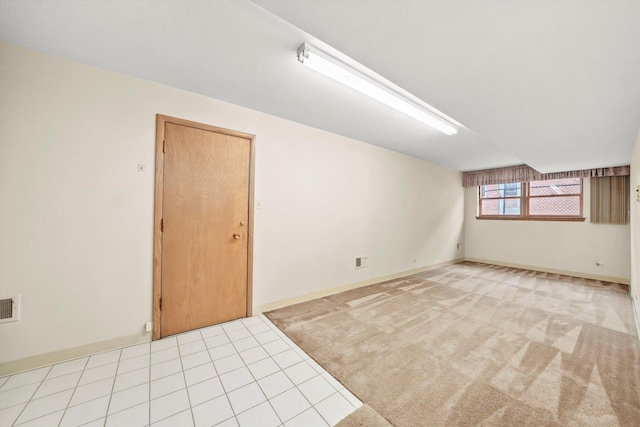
x=524 y=173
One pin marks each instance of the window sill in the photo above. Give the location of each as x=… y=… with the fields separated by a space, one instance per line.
x=519 y=218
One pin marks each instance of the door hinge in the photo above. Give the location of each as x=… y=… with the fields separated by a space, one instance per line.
x=162 y=225
x=160 y=303
x=164 y=146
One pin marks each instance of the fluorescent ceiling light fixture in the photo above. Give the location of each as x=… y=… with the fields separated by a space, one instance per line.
x=377 y=88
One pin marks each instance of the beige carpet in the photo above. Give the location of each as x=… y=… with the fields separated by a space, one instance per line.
x=475 y=344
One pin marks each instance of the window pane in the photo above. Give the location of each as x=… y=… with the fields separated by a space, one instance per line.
x=489 y=191
x=513 y=189
x=501 y=207
x=489 y=207
x=502 y=190
x=554 y=187
x=555 y=206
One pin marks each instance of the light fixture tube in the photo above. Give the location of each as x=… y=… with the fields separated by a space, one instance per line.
x=341 y=72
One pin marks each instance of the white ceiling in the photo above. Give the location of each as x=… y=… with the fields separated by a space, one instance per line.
x=553 y=84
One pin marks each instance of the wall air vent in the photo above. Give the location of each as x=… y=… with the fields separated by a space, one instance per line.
x=361 y=262
x=10 y=309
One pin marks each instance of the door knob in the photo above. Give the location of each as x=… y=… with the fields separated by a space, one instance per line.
x=236 y=235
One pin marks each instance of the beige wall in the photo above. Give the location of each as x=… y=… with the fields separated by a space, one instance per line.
x=635 y=225
x=570 y=247
x=76 y=216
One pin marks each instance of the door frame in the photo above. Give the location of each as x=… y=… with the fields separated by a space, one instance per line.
x=161 y=121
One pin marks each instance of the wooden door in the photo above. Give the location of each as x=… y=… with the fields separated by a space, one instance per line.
x=205 y=223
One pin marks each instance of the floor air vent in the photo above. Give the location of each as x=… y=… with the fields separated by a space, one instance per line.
x=10 y=309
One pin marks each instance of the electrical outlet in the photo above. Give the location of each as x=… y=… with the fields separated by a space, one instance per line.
x=148 y=327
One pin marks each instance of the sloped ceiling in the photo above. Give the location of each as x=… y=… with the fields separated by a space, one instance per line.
x=554 y=84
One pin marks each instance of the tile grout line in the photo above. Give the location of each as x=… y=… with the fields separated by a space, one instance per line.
x=29 y=401
x=149 y=392
x=214 y=368
x=185 y=378
x=74 y=390
x=61 y=391
x=245 y=366
x=250 y=373
x=193 y=417
x=235 y=416
x=106 y=415
x=258 y=384
x=186 y=389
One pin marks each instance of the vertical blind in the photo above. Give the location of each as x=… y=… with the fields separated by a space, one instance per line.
x=610 y=200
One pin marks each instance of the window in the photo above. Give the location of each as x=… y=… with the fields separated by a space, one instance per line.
x=501 y=199
x=559 y=199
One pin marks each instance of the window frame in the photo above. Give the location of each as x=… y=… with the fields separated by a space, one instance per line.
x=524 y=198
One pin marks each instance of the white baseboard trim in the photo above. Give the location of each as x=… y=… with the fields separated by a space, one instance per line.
x=620 y=280
x=14 y=367
x=331 y=291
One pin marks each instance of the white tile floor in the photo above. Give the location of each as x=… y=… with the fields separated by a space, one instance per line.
x=241 y=373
